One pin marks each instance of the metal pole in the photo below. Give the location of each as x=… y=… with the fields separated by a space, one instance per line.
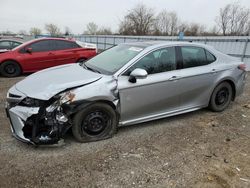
x=97 y=42
x=244 y=50
x=105 y=41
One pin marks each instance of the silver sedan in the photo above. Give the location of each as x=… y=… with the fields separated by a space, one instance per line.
x=127 y=84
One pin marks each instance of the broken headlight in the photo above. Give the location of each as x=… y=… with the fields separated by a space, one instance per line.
x=29 y=102
x=67 y=97
x=62 y=99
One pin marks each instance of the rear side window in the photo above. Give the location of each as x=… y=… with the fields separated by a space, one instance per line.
x=193 y=56
x=42 y=46
x=210 y=57
x=64 y=45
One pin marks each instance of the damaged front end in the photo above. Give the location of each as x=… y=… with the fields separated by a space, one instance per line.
x=39 y=122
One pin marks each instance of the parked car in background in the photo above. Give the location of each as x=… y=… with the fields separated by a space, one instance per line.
x=43 y=53
x=127 y=84
x=8 y=44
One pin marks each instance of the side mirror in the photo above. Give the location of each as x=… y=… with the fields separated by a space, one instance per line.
x=137 y=74
x=29 y=50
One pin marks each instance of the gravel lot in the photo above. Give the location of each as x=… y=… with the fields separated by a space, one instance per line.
x=198 y=149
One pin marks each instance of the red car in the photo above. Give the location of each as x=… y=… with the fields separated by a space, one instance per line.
x=39 y=54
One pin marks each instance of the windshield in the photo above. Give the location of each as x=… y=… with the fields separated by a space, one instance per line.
x=109 y=61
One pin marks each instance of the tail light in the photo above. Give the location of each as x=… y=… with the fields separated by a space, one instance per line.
x=242 y=67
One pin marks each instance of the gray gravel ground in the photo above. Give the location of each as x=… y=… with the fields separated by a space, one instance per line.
x=198 y=149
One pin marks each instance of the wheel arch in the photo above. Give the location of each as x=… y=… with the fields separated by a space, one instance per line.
x=13 y=61
x=84 y=103
x=232 y=83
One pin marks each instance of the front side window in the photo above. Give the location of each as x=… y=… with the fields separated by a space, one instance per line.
x=162 y=60
x=111 y=60
x=42 y=46
x=193 y=56
x=15 y=44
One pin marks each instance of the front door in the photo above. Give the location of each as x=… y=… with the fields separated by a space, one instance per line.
x=40 y=57
x=155 y=95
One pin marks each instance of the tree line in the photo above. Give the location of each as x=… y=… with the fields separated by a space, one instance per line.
x=233 y=19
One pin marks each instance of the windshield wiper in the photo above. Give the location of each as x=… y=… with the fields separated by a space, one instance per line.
x=88 y=68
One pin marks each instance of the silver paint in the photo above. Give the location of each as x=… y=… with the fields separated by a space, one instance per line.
x=151 y=97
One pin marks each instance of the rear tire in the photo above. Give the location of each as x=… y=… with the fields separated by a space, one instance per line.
x=10 y=69
x=221 y=97
x=97 y=121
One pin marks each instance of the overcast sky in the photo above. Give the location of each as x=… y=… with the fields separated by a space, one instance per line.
x=16 y=15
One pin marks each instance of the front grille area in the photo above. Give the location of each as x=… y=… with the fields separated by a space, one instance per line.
x=13 y=102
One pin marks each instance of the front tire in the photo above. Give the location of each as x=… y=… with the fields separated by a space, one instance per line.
x=221 y=97
x=10 y=69
x=97 y=121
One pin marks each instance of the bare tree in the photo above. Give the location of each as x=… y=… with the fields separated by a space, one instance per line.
x=233 y=19
x=22 y=32
x=173 y=23
x=214 y=31
x=138 y=21
x=104 y=31
x=195 y=29
x=92 y=29
x=52 y=29
x=126 y=28
x=35 y=31
x=224 y=18
x=248 y=29
x=162 y=23
x=183 y=27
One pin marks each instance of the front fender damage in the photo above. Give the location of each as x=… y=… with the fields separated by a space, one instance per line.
x=49 y=122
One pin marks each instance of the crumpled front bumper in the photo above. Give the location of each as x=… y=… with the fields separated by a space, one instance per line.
x=17 y=116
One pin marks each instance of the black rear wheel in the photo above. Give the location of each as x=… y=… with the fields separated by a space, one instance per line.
x=95 y=122
x=221 y=97
x=10 y=69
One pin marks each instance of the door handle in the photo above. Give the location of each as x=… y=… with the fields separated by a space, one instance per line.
x=174 y=78
x=214 y=71
x=50 y=53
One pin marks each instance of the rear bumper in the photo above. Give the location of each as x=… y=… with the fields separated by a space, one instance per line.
x=241 y=84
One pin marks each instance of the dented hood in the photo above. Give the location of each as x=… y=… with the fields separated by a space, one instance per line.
x=45 y=84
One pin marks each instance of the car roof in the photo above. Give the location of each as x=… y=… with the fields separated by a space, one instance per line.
x=41 y=39
x=155 y=44
x=13 y=40
x=50 y=38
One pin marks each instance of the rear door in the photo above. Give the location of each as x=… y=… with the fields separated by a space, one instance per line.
x=41 y=56
x=65 y=52
x=196 y=76
x=155 y=95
